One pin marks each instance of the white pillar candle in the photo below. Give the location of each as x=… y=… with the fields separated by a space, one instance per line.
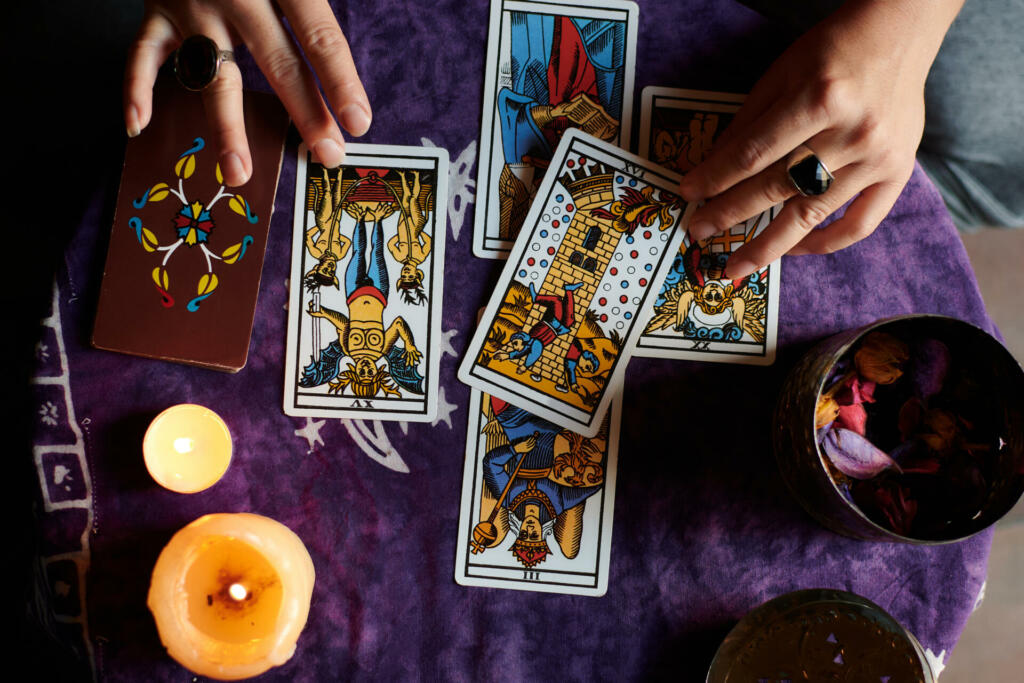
x=230 y=595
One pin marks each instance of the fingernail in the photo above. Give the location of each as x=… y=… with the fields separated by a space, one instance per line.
x=234 y=171
x=355 y=119
x=329 y=152
x=736 y=269
x=701 y=230
x=133 y=121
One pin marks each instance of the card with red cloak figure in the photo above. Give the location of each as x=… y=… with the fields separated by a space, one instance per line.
x=183 y=266
x=551 y=66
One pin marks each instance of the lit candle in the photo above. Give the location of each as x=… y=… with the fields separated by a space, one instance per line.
x=230 y=595
x=187 y=448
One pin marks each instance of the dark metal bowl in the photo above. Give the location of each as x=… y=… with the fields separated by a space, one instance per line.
x=817 y=635
x=802 y=463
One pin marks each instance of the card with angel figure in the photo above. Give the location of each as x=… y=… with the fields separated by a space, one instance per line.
x=564 y=318
x=364 y=307
x=699 y=313
x=552 y=65
x=537 y=501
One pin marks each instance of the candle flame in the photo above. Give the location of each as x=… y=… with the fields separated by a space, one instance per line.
x=238 y=592
x=184 y=445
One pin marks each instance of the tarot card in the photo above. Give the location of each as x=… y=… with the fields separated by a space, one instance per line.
x=186 y=251
x=700 y=314
x=551 y=66
x=364 y=311
x=537 y=501
x=563 y=320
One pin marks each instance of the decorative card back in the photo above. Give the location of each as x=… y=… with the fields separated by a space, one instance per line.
x=186 y=251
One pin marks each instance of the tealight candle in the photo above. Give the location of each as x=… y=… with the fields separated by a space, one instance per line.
x=230 y=595
x=187 y=448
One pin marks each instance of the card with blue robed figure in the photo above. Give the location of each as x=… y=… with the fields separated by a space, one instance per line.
x=537 y=501
x=364 y=309
x=551 y=66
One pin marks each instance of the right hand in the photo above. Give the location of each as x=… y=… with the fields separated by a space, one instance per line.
x=257 y=24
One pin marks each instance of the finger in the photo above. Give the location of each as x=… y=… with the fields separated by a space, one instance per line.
x=279 y=59
x=773 y=135
x=859 y=221
x=154 y=42
x=773 y=185
x=742 y=201
x=325 y=46
x=798 y=217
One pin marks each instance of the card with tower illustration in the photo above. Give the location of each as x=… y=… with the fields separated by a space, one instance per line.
x=366 y=285
x=537 y=501
x=572 y=299
x=699 y=314
x=552 y=65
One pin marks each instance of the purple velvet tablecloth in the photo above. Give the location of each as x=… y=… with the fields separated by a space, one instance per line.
x=704 y=529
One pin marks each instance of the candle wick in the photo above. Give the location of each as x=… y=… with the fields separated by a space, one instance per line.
x=238 y=592
x=184 y=445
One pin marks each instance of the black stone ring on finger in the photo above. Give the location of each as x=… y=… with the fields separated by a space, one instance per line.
x=806 y=171
x=197 y=62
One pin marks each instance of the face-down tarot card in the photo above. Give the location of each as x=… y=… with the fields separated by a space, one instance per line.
x=365 y=295
x=537 y=501
x=579 y=284
x=551 y=66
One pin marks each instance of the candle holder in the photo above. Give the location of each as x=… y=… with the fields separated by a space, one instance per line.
x=950 y=474
x=819 y=635
x=230 y=594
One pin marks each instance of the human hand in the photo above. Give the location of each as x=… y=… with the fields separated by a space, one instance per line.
x=852 y=90
x=257 y=24
x=526 y=445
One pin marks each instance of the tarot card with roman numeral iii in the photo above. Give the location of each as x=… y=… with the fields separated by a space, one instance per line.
x=537 y=501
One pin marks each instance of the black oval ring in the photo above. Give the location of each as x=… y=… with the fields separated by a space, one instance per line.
x=808 y=173
x=197 y=62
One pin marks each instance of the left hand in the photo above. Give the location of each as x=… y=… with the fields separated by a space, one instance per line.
x=851 y=89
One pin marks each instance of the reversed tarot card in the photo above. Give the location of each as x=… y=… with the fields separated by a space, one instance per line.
x=537 y=501
x=186 y=251
x=564 y=318
x=364 y=311
x=699 y=314
x=551 y=66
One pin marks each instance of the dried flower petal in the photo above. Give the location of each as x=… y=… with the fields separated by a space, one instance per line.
x=826 y=411
x=911 y=413
x=853 y=417
x=856 y=390
x=855 y=456
x=930 y=366
x=880 y=358
x=940 y=430
x=897 y=507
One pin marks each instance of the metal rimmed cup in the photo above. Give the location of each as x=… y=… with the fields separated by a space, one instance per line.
x=819 y=635
x=999 y=381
